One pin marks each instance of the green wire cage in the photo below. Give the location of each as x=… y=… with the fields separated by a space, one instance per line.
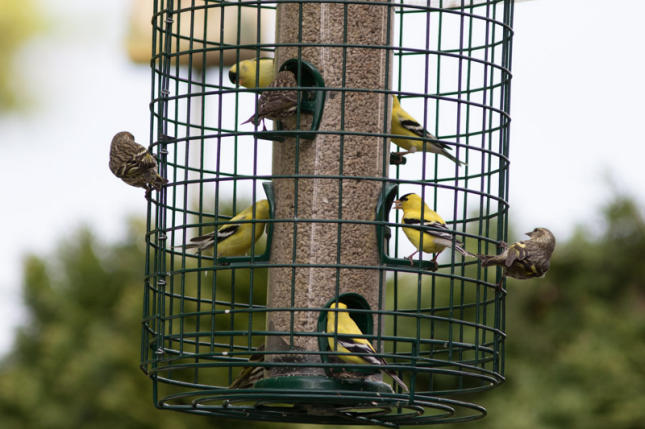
x=332 y=232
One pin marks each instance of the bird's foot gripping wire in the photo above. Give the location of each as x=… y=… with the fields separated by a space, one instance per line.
x=434 y=265
x=500 y=287
x=397 y=158
x=411 y=257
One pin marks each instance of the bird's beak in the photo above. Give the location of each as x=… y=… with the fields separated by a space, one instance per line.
x=232 y=76
x=397 y=204
x=529 y=233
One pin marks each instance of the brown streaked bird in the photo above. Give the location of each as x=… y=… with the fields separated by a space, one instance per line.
x=250 y=374
x=277 y=105
x=524 y=259
x=134 y=164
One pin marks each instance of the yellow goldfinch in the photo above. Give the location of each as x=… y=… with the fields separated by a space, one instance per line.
x=524 y=259
x=245 y=73
x=346 y=344
x=134 y=164
x=250 y=374
x=235 y=239
x=277 y=105
x=436 y=238
x=405 y=125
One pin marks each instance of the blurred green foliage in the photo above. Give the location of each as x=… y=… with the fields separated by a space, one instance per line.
x=19 y=20
x=575 y=346
x=75 y=365
x=576 y=338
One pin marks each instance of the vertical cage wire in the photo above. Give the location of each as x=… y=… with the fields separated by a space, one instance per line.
x=205 y=318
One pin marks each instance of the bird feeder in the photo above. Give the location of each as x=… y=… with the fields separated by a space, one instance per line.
x=332 y=235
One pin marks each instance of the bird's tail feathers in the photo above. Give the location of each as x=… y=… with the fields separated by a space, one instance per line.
x=397 y=380
x=253 y=119
x=202 y=242
x=464 y=252
x=200 y=246
x=452 y=158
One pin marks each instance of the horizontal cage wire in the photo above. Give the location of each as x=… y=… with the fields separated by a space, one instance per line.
x=282 y=282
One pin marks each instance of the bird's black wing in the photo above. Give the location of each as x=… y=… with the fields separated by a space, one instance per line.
x=371 y=358
x=222 y=233
x=227 y=231
x=435 y=229
x=354 y=347
x=416 y=128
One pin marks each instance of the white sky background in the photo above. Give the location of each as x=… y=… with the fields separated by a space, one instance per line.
x=577 y=113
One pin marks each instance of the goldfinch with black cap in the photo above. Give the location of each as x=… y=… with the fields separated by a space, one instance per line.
x=433 y=229
x=345 y=342
x=406 y=126
x=250 y=74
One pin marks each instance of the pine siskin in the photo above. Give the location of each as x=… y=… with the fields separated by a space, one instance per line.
x=277 y=105
x=134 y=164
x=250 y=374
x=524 y=259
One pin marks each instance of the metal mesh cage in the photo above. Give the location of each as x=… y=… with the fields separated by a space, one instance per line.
x=332 y=234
